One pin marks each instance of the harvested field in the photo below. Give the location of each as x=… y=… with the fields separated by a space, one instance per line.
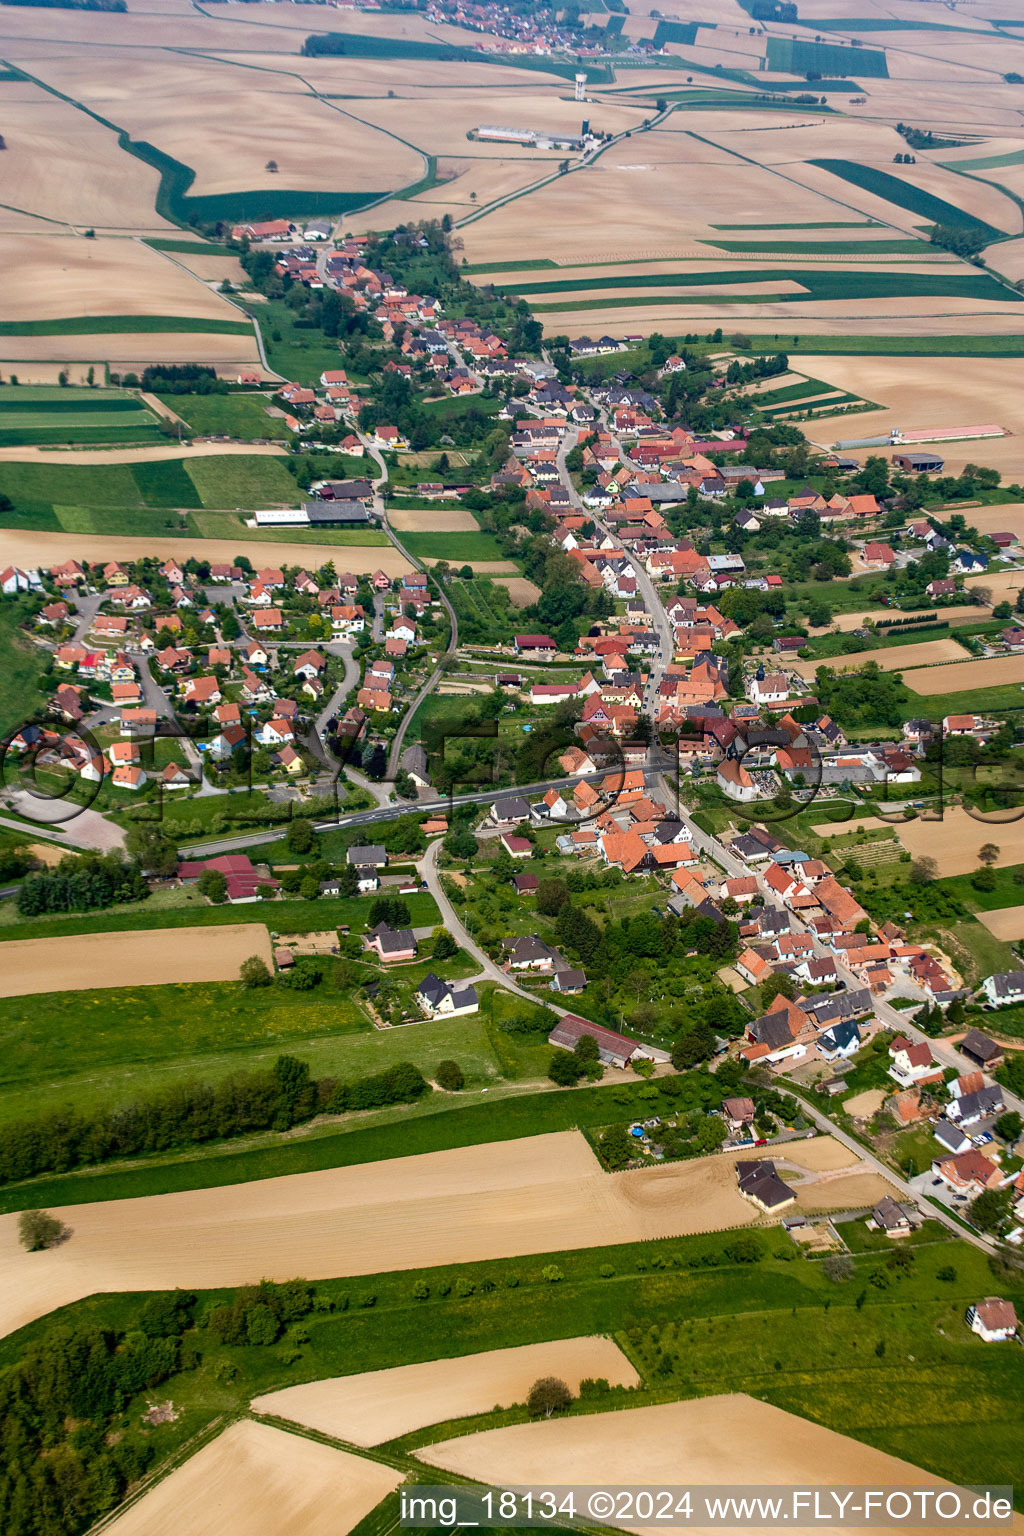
x=843 y=1194
x=99 y=277
x=991 y=673
x=380 y=1405
x=522 y=591
x=254 y=1480
x=865 y=1104
x=221 y=349
x=1004 y=586
x=32 y=549
x=954 y=842
x=135 y=455
x=1008 y=923
x=433 y=521
x=891 y=659
x=917 y=393
x=138 y=958
x=968 y=614
x=507 y=1198
x=1008 y=518
x=721 y=1441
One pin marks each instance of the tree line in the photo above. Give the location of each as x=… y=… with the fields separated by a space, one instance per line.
x=81 y=884
x=189 y=1113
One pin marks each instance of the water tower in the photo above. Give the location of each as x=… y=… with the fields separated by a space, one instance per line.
x=581 y=87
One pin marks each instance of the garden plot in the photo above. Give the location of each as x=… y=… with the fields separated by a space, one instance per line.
x=381 y=1405
x=720 y=1442
x=138 y=958
x=538 y=1195
x=254 y=1480
x=954 y=841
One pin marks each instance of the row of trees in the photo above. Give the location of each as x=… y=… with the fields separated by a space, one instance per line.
x=190 y=1113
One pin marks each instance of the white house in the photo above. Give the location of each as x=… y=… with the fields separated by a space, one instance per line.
x=993 y=1319
x=1006 y=987
x=767 y=688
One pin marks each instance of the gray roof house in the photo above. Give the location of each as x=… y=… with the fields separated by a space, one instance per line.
x=761 y=1184
x=441 y=999
x=371 y=853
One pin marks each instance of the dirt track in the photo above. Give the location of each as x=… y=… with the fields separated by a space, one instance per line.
x=380 y=1405
x=147 y=957
x=254 y=1480
x=721 y=1442
x=136 y=455
x=487 y=1202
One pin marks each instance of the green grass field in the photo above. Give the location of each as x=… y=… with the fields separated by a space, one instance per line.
x=95 y=1049
x=103 y=325
x=893 y=346
x=987 y=162
x=916 y=248
x=454 y=547
x=819 y=283
x=240 y=416
x=40 y=414
x=905 y=195
x=299 y=353
x=188 y=247
x=794 y=56
x=107 y=498
x=22 y=668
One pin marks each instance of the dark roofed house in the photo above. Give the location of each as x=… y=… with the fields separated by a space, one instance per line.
x=615 y=1050
x=392 y=944
x=442 y=999
x=889 y=1217
x=568 y=981
x=529 y=953
x=526 y=884
x=761 y=1184
x=980 y=1048
x=507 y=811
x=969 y=1108
x=370 y=853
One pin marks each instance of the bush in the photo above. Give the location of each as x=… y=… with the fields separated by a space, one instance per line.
x=566 y=1069
x=450 y=1076
x=38 y=1229
x=254 y=973
x=552 y=1274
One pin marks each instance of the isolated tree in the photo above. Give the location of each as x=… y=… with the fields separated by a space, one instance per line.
x=990 y=1212
x=1009 y=1126
x=548 y=1395
x=38 y=1229
x=566 y=1069
x=615 y=1146
x=988 y=853
x=271 y=166
x=254 y=973
x=923 y=871
x=450 y=1076
x=552 y=896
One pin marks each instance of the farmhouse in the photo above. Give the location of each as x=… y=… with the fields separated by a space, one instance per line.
x=1003 y=988
x=393 y=945
x=981 y=1049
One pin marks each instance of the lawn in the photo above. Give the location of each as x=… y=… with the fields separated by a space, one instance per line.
x=43 y=493
x=905 y=195
x=23 y=666
x=239 y=416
